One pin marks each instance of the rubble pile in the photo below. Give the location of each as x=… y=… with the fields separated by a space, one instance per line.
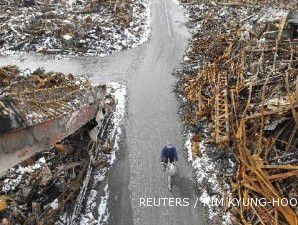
x=47 y=185
x=73 y=26
x=54 y=182
x=240 y=73
x=38 y=96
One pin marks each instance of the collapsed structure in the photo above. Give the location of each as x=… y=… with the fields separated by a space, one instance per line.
x=39 y=109
x=241 y=73
x=57 y=129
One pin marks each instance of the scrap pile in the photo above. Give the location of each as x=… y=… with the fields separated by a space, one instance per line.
x=53 y=182
x=72 y=26
x=29 y=98
x=241 y=72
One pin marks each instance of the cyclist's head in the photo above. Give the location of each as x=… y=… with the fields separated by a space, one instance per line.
x=169 y=143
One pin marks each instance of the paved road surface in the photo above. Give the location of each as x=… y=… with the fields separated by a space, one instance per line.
x=151 y=119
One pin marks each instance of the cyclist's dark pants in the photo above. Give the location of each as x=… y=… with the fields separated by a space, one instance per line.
x=167 y=160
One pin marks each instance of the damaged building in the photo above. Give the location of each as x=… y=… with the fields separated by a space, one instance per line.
x=240 y=74
x=56 y=130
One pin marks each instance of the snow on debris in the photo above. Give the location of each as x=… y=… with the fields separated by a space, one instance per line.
x=188 y=147
x=119 y=93
x=213 y=166
x=55 y=204
x=74 y=93
x=97 y=195
x=10 y=184
x=103 y=209
x=207 y=173
x=73 y=27
x=272 y=14
x=94 y=213
x=144 y=19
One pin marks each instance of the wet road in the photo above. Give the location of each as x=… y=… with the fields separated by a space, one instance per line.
x=151 y=119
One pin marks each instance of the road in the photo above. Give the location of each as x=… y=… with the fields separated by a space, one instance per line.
x=151 y=119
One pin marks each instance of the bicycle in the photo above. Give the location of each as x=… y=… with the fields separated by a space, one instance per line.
x=171 y=170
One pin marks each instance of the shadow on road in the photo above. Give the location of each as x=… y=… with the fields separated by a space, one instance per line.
x=182 y=187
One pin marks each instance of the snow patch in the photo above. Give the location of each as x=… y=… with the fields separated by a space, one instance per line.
x=119 y=93
x=206 y=174
x=55 y=204
x=176 y=2
x=272 y=14
x=188 y=146
x=10 y=184
x=103 y=209
x=98 y=214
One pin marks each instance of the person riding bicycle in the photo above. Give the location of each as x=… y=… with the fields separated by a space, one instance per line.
x=168 y=152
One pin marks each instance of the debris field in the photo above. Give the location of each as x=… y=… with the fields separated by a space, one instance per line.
x=39 y=95
x=73 y=26
x=54 y=182
x=240 y=75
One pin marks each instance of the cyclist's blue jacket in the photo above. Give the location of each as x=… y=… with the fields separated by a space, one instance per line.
x=169 y=151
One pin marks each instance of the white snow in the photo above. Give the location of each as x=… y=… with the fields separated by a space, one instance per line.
x=188 y=146
x=67 y=37
x=119 y=93
x=10 y=184
x=205 y=171
x=89 y=218
x=55 y=204
x=205 y=198
x=272 y=14
x=99 y=214
x=142 y=18
x=176 y=2
x=103 y=209
x=100 y=175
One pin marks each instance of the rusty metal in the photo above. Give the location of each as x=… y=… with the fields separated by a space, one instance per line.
x=221 y=119
x=16 y=146
x=248 y=88
x=40 y=110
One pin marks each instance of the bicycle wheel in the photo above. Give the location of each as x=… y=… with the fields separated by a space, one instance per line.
x=170 y=182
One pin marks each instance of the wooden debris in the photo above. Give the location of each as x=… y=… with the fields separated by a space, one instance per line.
x=42 y=96
x=64 y=149
x=247 y=86
x=56 y=178
x=3 y=202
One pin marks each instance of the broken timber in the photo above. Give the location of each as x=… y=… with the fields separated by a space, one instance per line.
x=42 y=109
x=245 y=83
x=18 y=145
x=221 y=110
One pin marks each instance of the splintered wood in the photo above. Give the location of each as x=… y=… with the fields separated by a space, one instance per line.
x=248 y=86
x=221 y=110
x=42 y=95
